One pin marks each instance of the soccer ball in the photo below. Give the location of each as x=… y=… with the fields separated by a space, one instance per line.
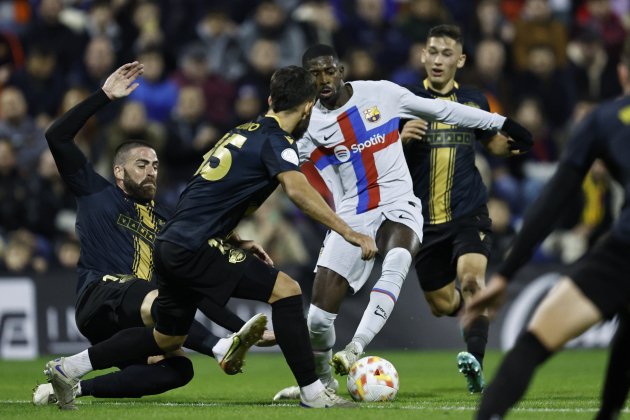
x=373 y=378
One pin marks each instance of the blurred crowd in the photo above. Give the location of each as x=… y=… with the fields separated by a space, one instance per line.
x=207 y=68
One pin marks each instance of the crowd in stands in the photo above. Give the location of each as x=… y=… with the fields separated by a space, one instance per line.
x=207 y=68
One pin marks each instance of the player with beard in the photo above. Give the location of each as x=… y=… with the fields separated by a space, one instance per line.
x=353 y=141
x=197 y=255
x=116 y=226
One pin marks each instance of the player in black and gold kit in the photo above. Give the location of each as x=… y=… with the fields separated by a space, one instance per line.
x=197 y=256
x=441 y=159
x=596 y=287
x=117 y=225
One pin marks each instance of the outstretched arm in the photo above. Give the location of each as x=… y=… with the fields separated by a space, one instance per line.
x=313 y=205
x=454 y=113
x=60 y=135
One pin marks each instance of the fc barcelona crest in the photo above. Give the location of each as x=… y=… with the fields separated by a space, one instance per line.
x=372 y=114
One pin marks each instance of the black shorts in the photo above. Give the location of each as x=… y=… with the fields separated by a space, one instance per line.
x=443 y=244
x=603 y=275
x=108 y=306
x=216 y=271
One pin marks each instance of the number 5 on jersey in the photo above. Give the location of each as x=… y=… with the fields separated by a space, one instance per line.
x=218 y=161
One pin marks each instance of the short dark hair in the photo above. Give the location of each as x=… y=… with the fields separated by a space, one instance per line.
x=319 y=50
x=290 y=87
x=122 y=151
x=449 y=31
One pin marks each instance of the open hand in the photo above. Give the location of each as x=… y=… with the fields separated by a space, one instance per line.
x=123 y=81
x=414 y=130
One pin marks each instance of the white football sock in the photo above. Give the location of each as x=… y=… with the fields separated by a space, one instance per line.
x=322 y=332
x=383 y=296
x=221 y=348
x=310 y=391
x=77 y=365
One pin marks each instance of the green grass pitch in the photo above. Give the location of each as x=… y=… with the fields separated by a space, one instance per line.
x=567 y=387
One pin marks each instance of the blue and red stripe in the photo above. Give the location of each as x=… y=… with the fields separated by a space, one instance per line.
x=385 y=292
x=354 y=132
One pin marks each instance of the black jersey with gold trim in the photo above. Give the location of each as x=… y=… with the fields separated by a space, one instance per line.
x=442 y=164
x=236 y=176
x=117 y=232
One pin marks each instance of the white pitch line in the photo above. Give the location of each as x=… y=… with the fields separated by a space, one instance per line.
x=404 y=407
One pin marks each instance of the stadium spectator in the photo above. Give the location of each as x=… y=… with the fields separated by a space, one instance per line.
x=319 y=20
x=158 y=93
x=592 y=69
x=489 y=74
x=537 y=27
x=489 y=22
x=42 y=82
x=548 y=82
x=218 y=92
x=248 y=105
x=270 y=21
x=413 y=71
x=189 y=135
x=99 y=60
x=132 y=123
x=219 y=36
x=598 y=16
x=361 y=65
x=13 y=190
x=47 y=29
x=20 y=128
x=50 y=203
x=371 y=28
x=262 y=60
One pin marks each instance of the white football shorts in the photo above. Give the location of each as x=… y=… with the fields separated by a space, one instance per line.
x=345 y=259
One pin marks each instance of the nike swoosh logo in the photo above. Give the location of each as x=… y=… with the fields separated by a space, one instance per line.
x=328 y=137
x=61 y=371
x=402 y=216
x=379 y=314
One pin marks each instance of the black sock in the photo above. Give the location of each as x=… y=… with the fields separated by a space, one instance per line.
x=137 y=380
x=220 y=315
x=513 y=377
x=292 y=335
x=476 y=337
x=617 y=380
x=124 y=346
x=200 y=339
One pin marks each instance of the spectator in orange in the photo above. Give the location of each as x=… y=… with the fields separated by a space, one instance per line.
x=537 y=26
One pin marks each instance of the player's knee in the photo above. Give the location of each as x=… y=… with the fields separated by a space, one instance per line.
x=442 y=305
x=321 y=327
x=284 y=287
x=169 y=343
x=148 y=308
x=469 y=284
x=318 y=320
x=396 y=263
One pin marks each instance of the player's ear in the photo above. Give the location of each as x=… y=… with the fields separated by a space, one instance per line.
x=269 y=101
x=119 y=172
x=461 y=61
